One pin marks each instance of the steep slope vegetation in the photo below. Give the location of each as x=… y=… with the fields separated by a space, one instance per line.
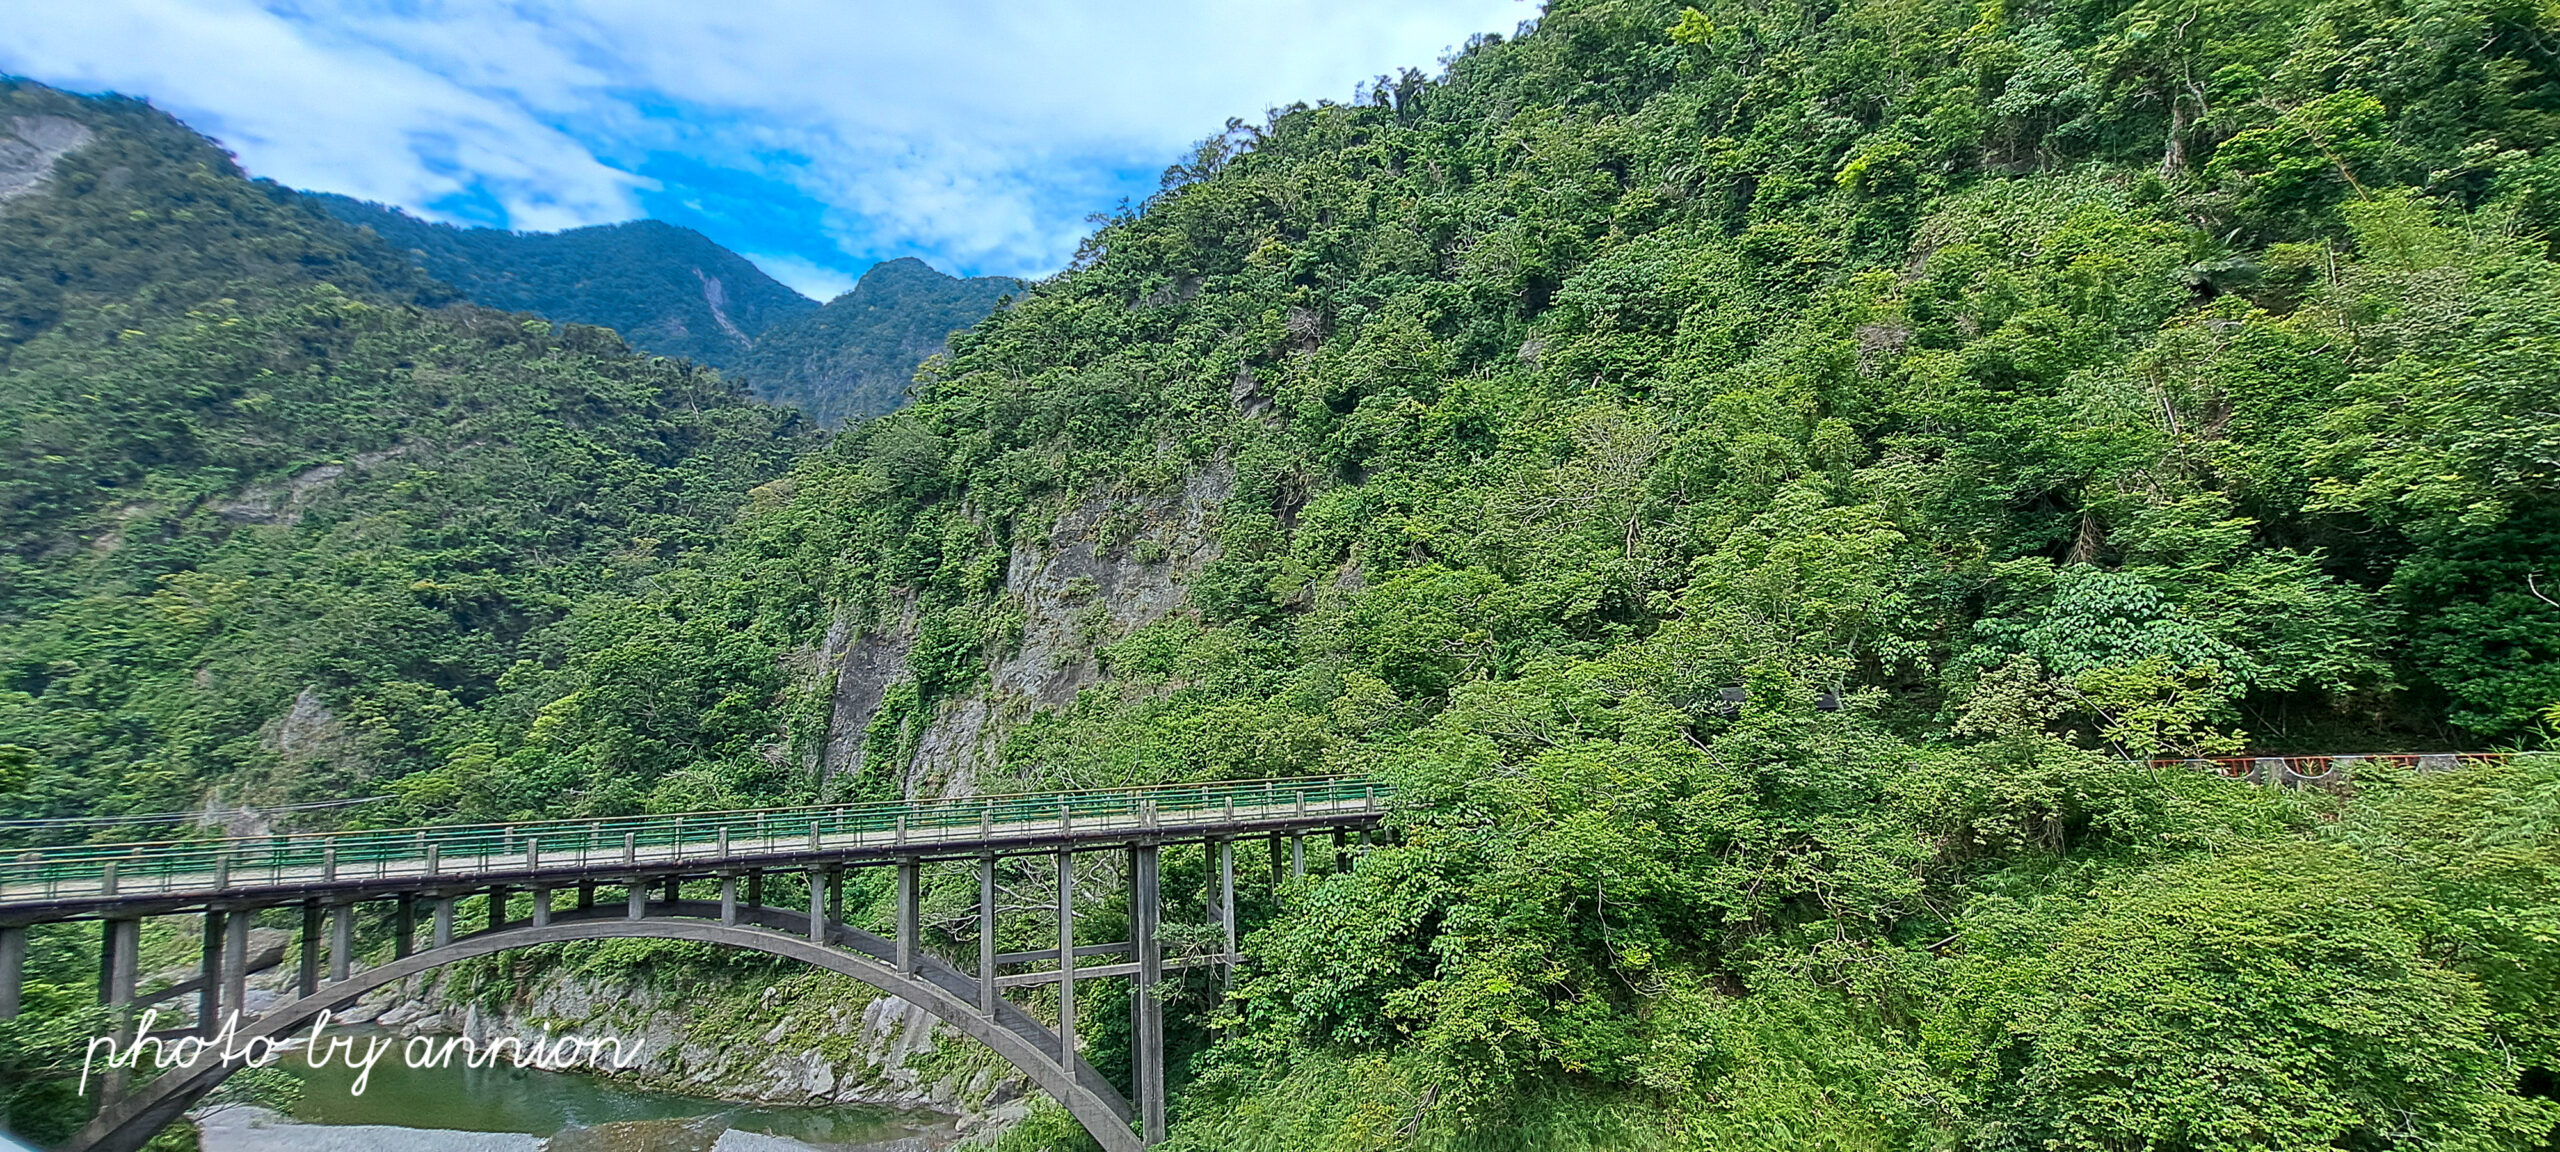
x=666 y=289
x=268 y=528
x=856 y=356
x=2057 y=384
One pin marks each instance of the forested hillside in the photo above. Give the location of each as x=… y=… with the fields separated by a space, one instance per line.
x=855 y=356
x=2061 y=385
x=2058 y=386
x=272 y=530
x=666 y=289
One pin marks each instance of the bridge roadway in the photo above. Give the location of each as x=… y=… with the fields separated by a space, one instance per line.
x=227 y=881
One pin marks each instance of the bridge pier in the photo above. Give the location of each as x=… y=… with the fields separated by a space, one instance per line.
x=987 y=934
x=635 y=899
x=541 y=905
x=729 y=898
x=404 y=925
x=1146 y=1048
x=342 y=940
x=910 y=926
x=817 y=906
x=13 y=968
x=235 y=959
x=307 y=978
x=1066 y=956
x=444 y=919
x=209 y=996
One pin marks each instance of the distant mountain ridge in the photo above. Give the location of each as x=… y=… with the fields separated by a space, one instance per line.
x=676 y=292
x=855 y=356
x=668 y=289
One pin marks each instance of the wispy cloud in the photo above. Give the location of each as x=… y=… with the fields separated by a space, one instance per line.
x=978 y=135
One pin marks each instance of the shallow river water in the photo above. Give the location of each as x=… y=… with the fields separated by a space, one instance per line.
x=507 y=1109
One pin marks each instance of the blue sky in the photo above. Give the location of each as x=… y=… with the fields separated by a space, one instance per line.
x=815 y=138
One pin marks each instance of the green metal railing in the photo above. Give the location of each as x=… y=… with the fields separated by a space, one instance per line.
x=652 y=841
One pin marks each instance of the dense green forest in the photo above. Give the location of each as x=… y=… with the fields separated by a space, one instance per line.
x=2059 y=385
x=856 y=356
x=666 y=289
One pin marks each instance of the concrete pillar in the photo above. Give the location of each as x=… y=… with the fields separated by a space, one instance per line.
x=1066 y=958
x=1146 y=1048
x=910 y=925
x=675 y=889
x=541 y=905
x=835 y=893
x=498 y=897
x=987 y=935
x=1297 y=857
x=404 y=925
x=342 y=941
x=635 y=899
x=729 y=899
x=586 y=895
x=308 y=980
x=120 y=951
x=209 y=997
x=755 y=888
x=235 y=960
x=817 y=906
x=13 y=969
x=1278 y=869
x=444 y=918
x=1341 y=852
x=1227 y=900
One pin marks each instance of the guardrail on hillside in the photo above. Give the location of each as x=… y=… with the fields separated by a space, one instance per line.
x=2324 y=771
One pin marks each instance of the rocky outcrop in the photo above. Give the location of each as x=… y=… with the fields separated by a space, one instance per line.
x=806 y=1038
x=1109 y=565
x=30 y=145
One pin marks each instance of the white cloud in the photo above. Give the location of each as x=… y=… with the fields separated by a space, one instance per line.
x=806 y=277
x=979 y=131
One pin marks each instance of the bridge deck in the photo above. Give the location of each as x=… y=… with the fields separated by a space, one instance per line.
x=51 y=883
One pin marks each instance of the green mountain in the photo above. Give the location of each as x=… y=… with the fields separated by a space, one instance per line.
x=2002 y=398
x=269 y=527
x=668 y=290
x=856 y=356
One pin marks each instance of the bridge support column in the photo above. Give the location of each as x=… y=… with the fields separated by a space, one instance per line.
x=13 y=968
x=635 y=899
x=1341 y=854
x=120 y=956
x=987 y=935
x=1146 y=1048
x=1066 y=958
x=444 y=919
x=1278 y=872
x=342 y=941
x=1297 y=857
x=209 y=997
x=755 y=888
x=817 y=907
x=586 y=895
x=541 y=905
x=307 y=980
x=235 y=961
x=835 y=893
x=675 y=889
x=910 y=925
x=498 y=897
x=404 y=926
x=729 y=899
x=1227 y=902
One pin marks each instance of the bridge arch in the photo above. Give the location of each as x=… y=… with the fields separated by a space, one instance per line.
x=124 y=1125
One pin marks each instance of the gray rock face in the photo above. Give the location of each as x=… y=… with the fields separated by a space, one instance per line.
x=1108 y=566
x=30 y=146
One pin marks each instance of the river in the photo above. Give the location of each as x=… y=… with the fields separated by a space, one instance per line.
x=508 y=1109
